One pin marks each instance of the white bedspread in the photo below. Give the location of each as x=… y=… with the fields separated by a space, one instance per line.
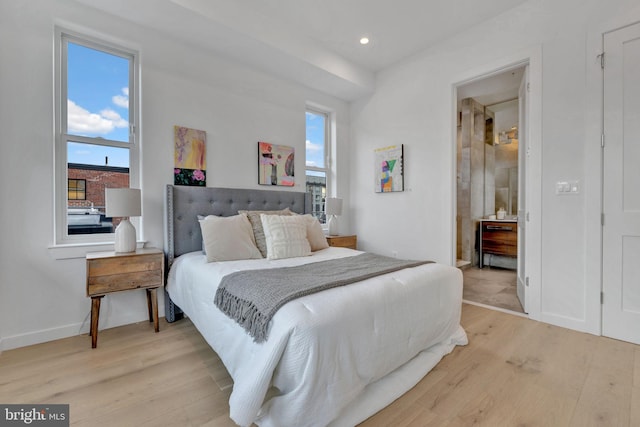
x=328 y=350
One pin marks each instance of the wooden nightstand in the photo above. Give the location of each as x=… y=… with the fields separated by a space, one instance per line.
x=114 y=272
x=350 y=242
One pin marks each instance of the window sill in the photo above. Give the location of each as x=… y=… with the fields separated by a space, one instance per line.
x=80 y=250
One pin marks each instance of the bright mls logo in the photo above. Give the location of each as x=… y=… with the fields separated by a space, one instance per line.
x=34 y=415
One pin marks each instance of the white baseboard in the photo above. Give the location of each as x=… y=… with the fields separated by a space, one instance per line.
x=37 y=337
x=52 y=334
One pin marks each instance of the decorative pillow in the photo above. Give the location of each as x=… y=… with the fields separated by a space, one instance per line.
x=315 y=235
x=256 y=224
x=286 y=236
x=228 y=238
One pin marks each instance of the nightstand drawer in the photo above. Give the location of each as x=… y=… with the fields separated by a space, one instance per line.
x=121 y=265
x=350 y=242
x=98 y=285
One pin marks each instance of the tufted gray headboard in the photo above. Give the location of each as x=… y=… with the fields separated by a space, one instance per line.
x=183 y=204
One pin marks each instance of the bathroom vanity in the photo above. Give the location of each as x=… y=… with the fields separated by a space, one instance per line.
x=498 y=237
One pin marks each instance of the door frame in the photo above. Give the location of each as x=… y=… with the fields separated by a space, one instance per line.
x=523 y=179
x=532 y=57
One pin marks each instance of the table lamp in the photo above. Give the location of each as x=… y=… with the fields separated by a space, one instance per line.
x=124 y=203
x=333 y=208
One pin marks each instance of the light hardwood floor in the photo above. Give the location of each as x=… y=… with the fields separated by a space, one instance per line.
x=514 y=372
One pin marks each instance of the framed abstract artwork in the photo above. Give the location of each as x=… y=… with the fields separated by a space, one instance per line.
x=275 y=164
x=190 y=159
x=388 y=169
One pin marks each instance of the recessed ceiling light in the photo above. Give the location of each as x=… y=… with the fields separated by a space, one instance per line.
x=364 y=40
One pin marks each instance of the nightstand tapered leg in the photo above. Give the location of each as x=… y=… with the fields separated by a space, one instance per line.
x=95 y=315
x=149 y=308
x=152 y=303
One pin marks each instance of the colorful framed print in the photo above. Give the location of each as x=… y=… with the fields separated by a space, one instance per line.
x=275 y=164
x=190 y=158
x=388 y=169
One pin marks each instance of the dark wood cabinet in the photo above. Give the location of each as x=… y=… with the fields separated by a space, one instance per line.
x=498 y=238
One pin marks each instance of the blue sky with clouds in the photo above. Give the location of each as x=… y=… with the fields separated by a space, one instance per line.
x=97 y=104
x=315 y=139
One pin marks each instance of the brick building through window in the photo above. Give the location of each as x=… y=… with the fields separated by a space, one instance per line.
x=96 y=179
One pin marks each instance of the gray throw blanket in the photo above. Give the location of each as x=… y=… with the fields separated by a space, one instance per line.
x=252 y=297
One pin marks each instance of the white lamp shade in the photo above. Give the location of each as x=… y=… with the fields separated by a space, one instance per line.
x=122 y=202
x=333 y=206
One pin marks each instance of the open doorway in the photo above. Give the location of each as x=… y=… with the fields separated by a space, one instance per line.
x=490 y=188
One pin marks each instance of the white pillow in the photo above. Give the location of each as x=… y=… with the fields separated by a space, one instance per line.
x=256 y=224
x=286 y=236
x=228 y=238
x=315 y=235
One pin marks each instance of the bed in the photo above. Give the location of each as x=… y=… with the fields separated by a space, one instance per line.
x=335 y=357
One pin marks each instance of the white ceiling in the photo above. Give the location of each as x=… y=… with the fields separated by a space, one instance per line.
x=397 y=29
x=313 y=42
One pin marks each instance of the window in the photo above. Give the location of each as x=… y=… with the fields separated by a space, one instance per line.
x=76 y=189
x=317 y=160
x=96 y=133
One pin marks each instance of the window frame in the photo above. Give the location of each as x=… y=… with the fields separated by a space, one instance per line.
x=328 y=165
x=62 y=137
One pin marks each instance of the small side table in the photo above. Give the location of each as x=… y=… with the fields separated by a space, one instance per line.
x=109 y=272
x=350 y=242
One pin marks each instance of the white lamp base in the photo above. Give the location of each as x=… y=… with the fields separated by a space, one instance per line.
x=125 y=236
x=333 y=225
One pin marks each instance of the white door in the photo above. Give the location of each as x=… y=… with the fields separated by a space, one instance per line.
x=523 y=155
x=621 y=196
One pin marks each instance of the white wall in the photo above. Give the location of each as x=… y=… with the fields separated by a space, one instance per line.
x=413 y=105
x=42 y=298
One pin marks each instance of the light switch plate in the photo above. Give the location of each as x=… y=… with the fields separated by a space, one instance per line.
x=567 y=187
